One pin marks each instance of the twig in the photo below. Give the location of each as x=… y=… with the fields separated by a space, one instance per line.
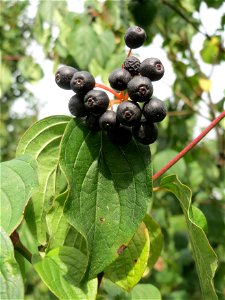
x=189 y=146
x=20 y=247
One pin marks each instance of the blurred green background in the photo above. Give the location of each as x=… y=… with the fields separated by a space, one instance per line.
x=93 y=40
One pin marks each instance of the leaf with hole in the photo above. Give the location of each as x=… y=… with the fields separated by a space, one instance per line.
x=110 y=189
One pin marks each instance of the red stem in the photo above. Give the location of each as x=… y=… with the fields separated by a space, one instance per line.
x=189 y=146
x=106 y=88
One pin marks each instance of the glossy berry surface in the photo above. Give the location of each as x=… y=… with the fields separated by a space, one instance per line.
x=121 y=135
x=135 y=37
x=132 y=65
x=63 y=77
x=76 y=106
x=154 y=110
x=119 y=79
x=152 y=68
x=140 y=89
x=128 y=113
x=145 y=133
x=108 y=120
x=82 y=82
x=96 y=102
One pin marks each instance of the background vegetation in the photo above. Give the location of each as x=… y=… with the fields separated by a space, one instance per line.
x=61 y=33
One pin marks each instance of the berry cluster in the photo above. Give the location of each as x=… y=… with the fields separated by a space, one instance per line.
x=137 y=110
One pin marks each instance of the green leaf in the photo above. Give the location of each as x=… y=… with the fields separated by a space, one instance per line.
x=162 y=157
x=62 y=270
x=82 y=42
x=156 y=240
x=145 y=291
x=11 y=281
x=205 y=257
x=30 y=70
x=6 y=80
x=19 y=181
x=126 y=271
x=104 y=48
x=42 y=142
x=210 y=50
x=110 y=189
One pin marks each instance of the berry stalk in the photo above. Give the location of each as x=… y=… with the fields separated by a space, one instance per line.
x=189 y=146
x=106 y=88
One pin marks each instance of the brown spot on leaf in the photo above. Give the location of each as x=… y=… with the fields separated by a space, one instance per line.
x=135 y=260
x=102 y=220
x=121 y=249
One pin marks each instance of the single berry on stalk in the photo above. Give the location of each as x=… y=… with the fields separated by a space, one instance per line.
x=132 y=65
x=92 y=122
x=135 y=37
x=76 y=106
x=96 y=102
x=63 y=77
x=82 y=82
x=154 y=110
x=128 y=113
x=145 y=133
x=121 y=135
x=108 y=120
x=140 y=89
x=119 y=79
x=152 y=68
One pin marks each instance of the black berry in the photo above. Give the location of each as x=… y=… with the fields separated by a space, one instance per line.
x=145 y=133
x=132 y=65
x=152 y=68
x=82 y=82
x=154 y=110
x=108 y=120
x=76 y=106
x=96 y=102
x=121 y=135
x=119 y=79
x=92 y=122
x=63 y=77
x=140 y=89
x=128 y=113
x=135 y=37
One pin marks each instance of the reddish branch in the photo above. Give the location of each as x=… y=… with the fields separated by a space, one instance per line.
x=189 y=147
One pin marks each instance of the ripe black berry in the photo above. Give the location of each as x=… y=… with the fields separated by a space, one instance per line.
x=92 y=122
x=63 y=77
x=82 y=82
x=121 y=135
x=135 y=37
x=152 y=68
x=108 y=120
x=76 y=106
x=119 y=79
x=132 y=65
x=154 y=110
x=128 y=113
x=140 y=89
x=96 y=102
x=145 y=133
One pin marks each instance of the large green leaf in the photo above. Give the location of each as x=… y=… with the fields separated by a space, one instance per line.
x=205 y=257
x=110 y=188
x=62 y=270
x=156 y=239
x=11 y=281
x=126 y=271
x=19 y=181
x=42 y=142
x=104 y=49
